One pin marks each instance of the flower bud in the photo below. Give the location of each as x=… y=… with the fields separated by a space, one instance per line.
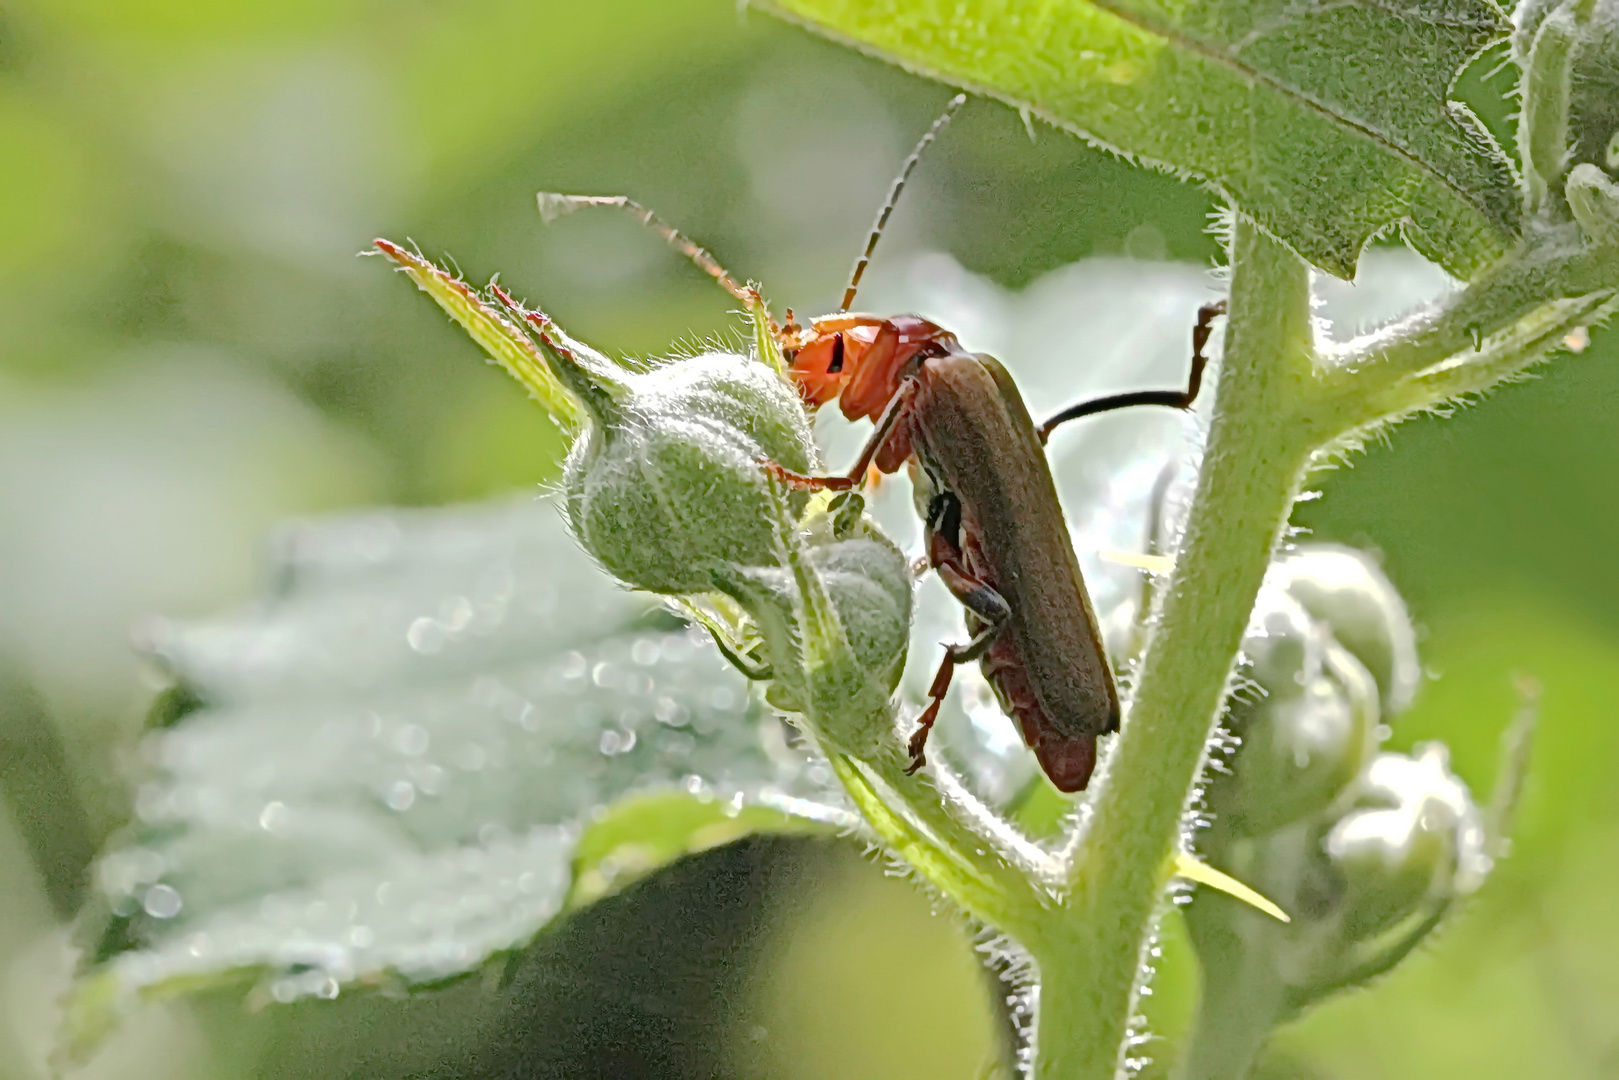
x=1348 y=591
x=1305 y=738
x=1570 y=60
x=835 y=622
x=1362 y=890
x=665 y=487
x=1594 y=200
x=1417 y=840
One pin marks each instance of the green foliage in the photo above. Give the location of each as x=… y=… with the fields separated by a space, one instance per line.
x=1324 y=124
x=409 y=759
x=1369 y=852
x=1328 y=125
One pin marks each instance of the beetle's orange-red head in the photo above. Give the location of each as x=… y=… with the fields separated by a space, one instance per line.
x=861 y=359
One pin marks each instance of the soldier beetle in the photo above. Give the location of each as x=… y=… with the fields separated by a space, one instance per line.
x=994 y=532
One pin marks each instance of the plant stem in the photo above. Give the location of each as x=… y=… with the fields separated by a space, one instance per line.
x=958 y=844
x=1240 y=1002
x=1508 y=318
x=1259 y=443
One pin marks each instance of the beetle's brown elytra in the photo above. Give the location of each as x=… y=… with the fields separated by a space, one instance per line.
x=995 y=532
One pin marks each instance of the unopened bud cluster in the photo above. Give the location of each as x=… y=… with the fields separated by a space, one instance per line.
x=668 y=487
x=1568 y=52
x=1364 y=849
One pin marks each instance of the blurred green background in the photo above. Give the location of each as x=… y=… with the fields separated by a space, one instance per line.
x=190 y=351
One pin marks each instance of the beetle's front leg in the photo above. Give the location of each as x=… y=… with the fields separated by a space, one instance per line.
x=887 y=424
x=991 y=607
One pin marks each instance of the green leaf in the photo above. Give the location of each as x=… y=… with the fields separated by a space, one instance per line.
x=1326 y=123
x=502 y=342
x=437 y=732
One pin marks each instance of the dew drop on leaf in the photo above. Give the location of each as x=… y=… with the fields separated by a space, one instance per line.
x=162 y=902
x=401 y=795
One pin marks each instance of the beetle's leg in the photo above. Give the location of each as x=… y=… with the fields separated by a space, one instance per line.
x=887 y=424
x=1175 y=399
x=991 y=607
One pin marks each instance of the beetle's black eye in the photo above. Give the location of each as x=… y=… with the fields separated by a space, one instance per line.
x=837 y=356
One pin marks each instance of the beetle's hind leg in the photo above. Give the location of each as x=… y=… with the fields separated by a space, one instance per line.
x=990 y=607
x=1174 y=399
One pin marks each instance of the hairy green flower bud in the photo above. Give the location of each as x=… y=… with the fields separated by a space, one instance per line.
x=835 y=621
x=666 y=485
x=1305 y=737
x=1568 y=51
x=1364 y=883
x=1416 y=840
x=1348 y=591
x=1594 y=199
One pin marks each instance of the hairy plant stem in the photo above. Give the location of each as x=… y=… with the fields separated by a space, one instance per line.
x=953 y=840
x=1089 y=920
x=1091 y=958
x=1240 y=1003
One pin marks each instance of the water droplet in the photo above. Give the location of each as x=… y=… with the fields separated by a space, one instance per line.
x=723 y=698
x=430 y=778
x=644 y=652
x=602 y=674
x=274 y=816
x=668 y=712
x=411 y=740
x=617 y=742
x=426 y=635
x=362 y=937
x=162 y=902
x=573 y=665
x=327 y=989
x=401 y=795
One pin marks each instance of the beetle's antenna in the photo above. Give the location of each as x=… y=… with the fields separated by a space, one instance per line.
x=893 y=197
x=554 y=205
